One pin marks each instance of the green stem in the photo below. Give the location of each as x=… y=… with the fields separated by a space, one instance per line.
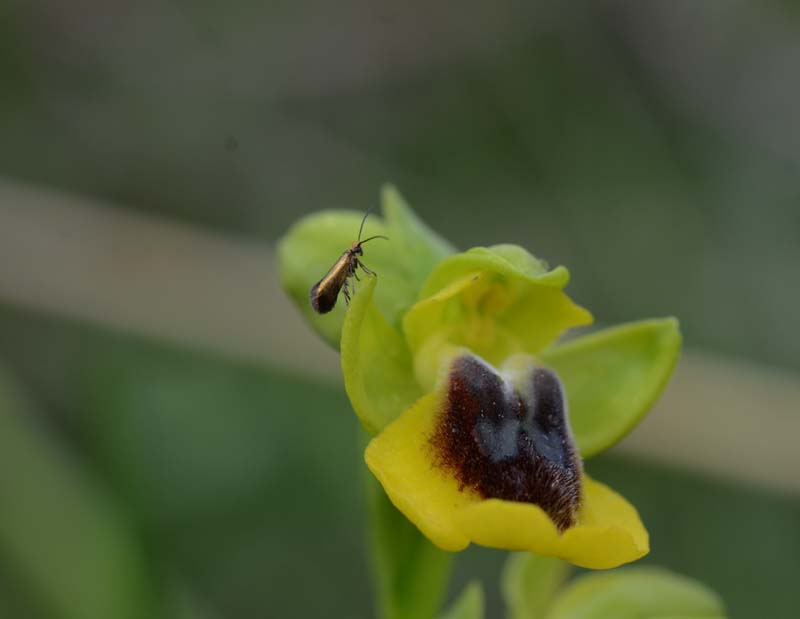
x=410 y=575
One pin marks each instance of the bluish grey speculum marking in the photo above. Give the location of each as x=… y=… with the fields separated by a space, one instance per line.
x=510 y=445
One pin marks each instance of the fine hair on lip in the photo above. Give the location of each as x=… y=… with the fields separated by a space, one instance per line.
x=509 y=445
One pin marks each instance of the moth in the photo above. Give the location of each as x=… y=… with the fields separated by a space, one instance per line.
x=324 y=293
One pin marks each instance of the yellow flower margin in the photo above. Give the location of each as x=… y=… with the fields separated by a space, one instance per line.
x=608 y=532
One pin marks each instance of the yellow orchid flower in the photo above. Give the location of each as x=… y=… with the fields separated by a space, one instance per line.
x=451 y=362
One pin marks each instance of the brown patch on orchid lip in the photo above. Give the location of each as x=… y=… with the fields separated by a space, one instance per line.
x=509 y=445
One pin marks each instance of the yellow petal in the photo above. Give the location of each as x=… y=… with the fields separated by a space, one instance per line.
x=506 y=524
x=494 y=315
x=608 y=533
x=401 y=459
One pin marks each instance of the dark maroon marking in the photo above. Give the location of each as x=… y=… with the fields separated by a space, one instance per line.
x=508 y=445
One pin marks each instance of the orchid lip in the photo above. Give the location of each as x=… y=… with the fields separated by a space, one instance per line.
x=509 y=444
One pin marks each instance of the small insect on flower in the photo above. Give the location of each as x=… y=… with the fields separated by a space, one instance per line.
x=325 y=292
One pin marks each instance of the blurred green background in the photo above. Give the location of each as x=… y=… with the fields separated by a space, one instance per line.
x=173 y=442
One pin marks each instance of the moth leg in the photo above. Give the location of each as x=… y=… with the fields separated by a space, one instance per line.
x=355 y=274
x=346 y=291
x=366 y=270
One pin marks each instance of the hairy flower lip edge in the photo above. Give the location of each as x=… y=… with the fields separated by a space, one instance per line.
x=609 y=531
x=483 y=408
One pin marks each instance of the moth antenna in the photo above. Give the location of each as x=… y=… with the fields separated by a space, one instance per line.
x=377 y=236
x=361 y=229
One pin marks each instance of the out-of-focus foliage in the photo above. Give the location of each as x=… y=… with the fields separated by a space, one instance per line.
x=469 y=605
x=223 y=469
x=530 y=582
x=73 y=548
x=534 y=588
x=636 y=593
x=618 y=138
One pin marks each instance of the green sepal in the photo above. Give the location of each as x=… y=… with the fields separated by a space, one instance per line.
x=313 y=244
x=505 y=259
x=422 y=248
x=376 y=363
x=410 y=573
x=530 y=582
x=637 y=593
x=469 y=605
x=613 y=377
